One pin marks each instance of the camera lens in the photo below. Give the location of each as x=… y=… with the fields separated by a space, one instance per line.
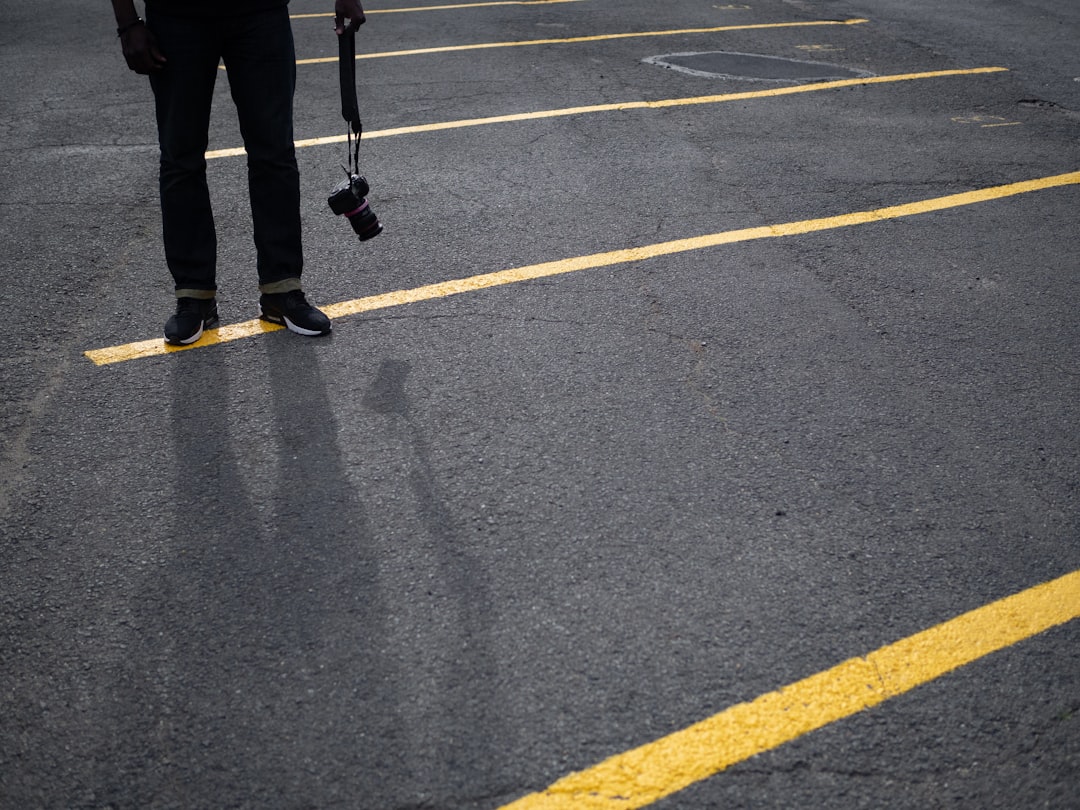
x=350 y=200
x=364 y=221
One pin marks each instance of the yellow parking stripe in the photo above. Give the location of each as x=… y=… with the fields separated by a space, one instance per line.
x=155 y=347
x=568 y=40
x=440 y=8
x=623 y=106
x=649 y=773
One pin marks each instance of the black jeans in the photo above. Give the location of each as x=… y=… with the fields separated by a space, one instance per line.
x=260 y=60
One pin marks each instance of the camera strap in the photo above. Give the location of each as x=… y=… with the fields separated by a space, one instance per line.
x=350 y=109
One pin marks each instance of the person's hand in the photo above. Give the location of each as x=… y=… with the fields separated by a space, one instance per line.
x=141 y=50
x=350 y=10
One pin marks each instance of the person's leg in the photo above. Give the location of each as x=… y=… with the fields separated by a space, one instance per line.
x=183 y=93
x=261 y=64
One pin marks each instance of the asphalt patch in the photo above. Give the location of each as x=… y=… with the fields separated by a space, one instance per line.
x=752 y=67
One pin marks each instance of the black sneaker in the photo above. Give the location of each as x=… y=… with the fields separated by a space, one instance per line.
x=292 y=310
x=192 y=316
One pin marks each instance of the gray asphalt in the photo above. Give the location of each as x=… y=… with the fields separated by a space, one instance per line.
x=466 y=546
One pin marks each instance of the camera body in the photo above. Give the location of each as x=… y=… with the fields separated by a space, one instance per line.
x=349 y=199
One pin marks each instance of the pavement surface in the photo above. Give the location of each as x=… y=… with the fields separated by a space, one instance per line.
x=493 y=533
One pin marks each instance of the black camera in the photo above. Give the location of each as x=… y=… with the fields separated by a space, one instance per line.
x=350 y=200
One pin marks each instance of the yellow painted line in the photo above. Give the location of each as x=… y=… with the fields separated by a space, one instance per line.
x=157 y=346
x=441 y=8
x=211 y=337
x=623 y=106
x=647 y=774
x=568 y=40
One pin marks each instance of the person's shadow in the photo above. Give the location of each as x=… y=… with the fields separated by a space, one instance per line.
x=262 y=665
x=257 y=664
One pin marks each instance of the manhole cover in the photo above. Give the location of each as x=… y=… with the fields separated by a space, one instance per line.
x=752 y=67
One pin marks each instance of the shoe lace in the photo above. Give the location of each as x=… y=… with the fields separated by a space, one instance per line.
x=189 y=305
x=295 y=299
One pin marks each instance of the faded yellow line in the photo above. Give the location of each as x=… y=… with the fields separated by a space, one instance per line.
x=149 y=348
x=647 y=774
x=569 y=40
x=440 y=8
x=623 y=106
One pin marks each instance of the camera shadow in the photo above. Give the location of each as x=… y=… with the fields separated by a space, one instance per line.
x=463 y=700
